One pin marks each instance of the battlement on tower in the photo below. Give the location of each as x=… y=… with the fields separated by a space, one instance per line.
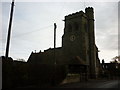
x=89 y=9
x=74 y=15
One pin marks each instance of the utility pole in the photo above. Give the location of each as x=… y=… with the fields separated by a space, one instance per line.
x=55 y=26
x=54 y=63
x=9 y=30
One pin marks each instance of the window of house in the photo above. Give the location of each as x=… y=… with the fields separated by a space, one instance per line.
x=103 y=66
x=116 y=67
x=106 y=66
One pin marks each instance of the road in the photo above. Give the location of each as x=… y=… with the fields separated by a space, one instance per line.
x=111 y=84
x=107 y=84
x=94 y=84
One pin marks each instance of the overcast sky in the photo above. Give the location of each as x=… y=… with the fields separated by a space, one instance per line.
x=32 y=27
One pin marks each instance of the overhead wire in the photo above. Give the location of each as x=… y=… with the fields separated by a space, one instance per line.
x=46 y=27
x=34 y=31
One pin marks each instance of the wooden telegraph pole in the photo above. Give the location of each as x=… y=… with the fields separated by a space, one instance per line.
x=54 y=63
x=9 y=30
x=55 y=26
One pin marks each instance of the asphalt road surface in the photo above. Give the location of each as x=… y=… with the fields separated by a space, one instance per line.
x=111 y=84
x=103 y=84
x=94 y=84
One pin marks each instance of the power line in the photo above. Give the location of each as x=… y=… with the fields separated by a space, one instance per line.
x=27 y=33
x=34 y=31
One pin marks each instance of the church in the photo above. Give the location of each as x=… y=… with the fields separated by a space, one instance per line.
x=78 y=49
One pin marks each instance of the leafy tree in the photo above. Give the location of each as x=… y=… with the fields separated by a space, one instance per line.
x=22 y=60
x=115 y=59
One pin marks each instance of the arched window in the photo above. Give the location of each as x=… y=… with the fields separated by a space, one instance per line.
x=86 y=27
x=69 y=27
x=76 y=26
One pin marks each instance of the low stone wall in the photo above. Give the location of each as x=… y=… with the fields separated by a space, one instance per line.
x=71 y=78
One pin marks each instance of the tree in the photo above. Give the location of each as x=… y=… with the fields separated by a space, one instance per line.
x=115 y=59
x=19 y=59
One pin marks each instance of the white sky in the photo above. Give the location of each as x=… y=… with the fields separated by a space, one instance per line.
x=32 y=27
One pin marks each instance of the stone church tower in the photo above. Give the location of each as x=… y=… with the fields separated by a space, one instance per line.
x=79 y=39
